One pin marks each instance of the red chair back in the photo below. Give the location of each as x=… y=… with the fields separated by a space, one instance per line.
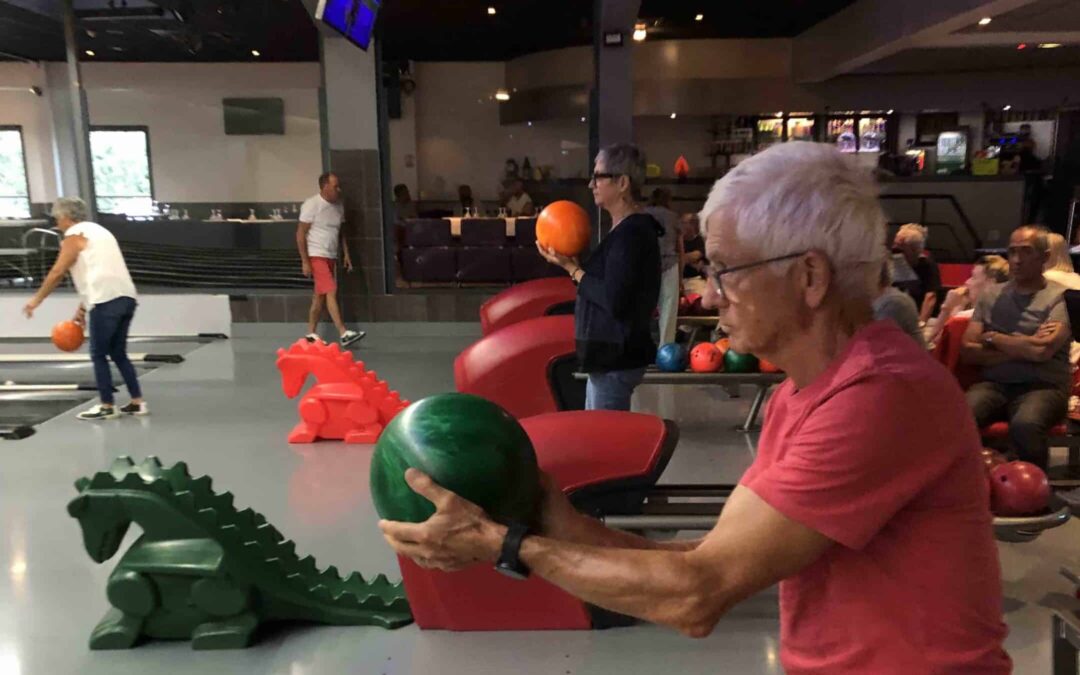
x=526 y=300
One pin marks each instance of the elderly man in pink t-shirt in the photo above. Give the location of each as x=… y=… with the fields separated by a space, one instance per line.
x=877 y=529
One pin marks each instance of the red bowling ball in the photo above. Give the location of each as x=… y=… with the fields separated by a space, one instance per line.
x=706 y=358
x=1018 y=489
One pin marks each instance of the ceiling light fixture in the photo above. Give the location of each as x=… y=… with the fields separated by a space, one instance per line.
x=491 y=11
x=1049 y=45
x=530 y=124
x=502 y=95
x=1007 y=108
x=985 y=21
x=889 y=111
x=90 y=52
x=582 y=119
x=673 y=115
x=699 y=17
x=255 y=52
x=639 y=32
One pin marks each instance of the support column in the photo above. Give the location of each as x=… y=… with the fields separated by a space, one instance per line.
x=351 y=135
x=614 y=85
x=70 y=121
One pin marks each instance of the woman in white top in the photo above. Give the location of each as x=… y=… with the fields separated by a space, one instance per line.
x=101 y=277
x=1059 y=266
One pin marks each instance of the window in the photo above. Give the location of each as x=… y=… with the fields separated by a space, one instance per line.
x=121 y=160
x=14 y=192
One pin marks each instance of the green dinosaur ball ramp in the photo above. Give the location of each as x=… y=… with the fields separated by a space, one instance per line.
x=468 y=445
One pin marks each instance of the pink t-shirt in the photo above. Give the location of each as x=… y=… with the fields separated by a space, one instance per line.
x=880 y=454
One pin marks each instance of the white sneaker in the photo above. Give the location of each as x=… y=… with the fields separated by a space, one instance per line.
x=313 y=338
x=351 y=336
x=99 y=412
x=137 y=409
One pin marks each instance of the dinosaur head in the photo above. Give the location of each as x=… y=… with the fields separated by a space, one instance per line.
x=103 y=522
x=292 y=379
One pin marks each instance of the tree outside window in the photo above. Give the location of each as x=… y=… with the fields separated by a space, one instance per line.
x=14 y=191
x=121 y=161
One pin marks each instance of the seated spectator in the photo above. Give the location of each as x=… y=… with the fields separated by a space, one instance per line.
x=987 y=271
x=464 y=193
x=670 y=273
x=1020 y=335
x=1059 y=267
x=404 y=207
x=910 y=241
x=894 y=304
x=692 y=255
x=520 y=203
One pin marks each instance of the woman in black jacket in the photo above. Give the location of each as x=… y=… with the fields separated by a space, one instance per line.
x=618 y=285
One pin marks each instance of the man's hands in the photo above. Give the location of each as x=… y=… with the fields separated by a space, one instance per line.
x=30 y=306
x=305 y=267
x=348 y=262
x=80 y=316
x=458 y=535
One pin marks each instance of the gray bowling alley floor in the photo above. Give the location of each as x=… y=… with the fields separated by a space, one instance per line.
x=222 y=411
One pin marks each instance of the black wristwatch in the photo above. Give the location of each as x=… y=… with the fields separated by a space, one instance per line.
x=509 y=563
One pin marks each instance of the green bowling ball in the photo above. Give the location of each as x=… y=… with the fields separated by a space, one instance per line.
x=468 y=445
x=736 y=362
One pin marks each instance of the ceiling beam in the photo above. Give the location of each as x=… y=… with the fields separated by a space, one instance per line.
x=871 y=30
x=999 y=39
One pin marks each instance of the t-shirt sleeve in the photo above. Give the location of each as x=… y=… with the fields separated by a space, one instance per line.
x=855 y=461
x=1059 y=312
x=308 y=212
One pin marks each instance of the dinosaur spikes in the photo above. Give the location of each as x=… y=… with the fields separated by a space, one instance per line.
x=306 y=566
x=268 y=534
x=355 y=581
x=321 y=593
x=223 y=501
x=379 y=584
x=209 y=518
x=186 y=500
x=331 y=574
x=245 y=519
x=161 y=486
x=132 y=480
x=77 y=506
x=202 y=487
x=121 y=466
x=82 y=484
x=102 y=480
x=286 y=550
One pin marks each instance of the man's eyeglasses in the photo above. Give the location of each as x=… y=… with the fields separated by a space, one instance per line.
x=597 y=175
x=716 y=274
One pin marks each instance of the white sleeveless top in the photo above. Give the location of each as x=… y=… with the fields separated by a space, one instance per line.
x=100 y=273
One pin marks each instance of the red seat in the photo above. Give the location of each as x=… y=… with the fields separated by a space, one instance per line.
x=585 y=452
x=525 y=367
x=947 y=352
x=526 y=300
x=954 y=274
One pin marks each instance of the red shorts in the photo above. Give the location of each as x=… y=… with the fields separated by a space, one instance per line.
x=322 y=269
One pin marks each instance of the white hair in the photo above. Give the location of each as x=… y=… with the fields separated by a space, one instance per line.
x=802 y=196
x=73 y=208
x=912 y=232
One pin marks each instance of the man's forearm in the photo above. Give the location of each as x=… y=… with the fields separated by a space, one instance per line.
x=659 y=586
x=979 y=355
x=1025 y=348
x=301 y=245
x=592 y=532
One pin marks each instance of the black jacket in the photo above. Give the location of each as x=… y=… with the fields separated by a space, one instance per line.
x=617 y=297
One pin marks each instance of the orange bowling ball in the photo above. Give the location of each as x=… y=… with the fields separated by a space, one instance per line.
x=766 y=367
x=67 y=336
x=563 y=226
x=706 y=358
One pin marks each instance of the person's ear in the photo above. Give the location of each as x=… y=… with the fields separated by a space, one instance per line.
x=815 y=277
x=624 y=184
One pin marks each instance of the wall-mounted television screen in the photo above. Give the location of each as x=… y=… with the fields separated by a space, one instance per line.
x=253 y=116
x=355 y=19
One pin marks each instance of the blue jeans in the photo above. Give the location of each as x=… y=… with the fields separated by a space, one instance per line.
x=109 y=324
x=612 y=390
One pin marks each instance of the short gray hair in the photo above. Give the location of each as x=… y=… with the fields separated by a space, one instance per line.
x=72 y=208
x=912 y=232
x=804 y=196
x=625 y=159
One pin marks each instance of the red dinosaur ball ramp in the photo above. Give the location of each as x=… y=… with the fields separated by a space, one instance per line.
x=348 y=402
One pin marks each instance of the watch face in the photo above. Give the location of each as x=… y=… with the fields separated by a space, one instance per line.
x=511 y=572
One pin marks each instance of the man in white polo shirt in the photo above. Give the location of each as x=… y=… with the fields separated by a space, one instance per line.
x=318 y=237
x=101 y=277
